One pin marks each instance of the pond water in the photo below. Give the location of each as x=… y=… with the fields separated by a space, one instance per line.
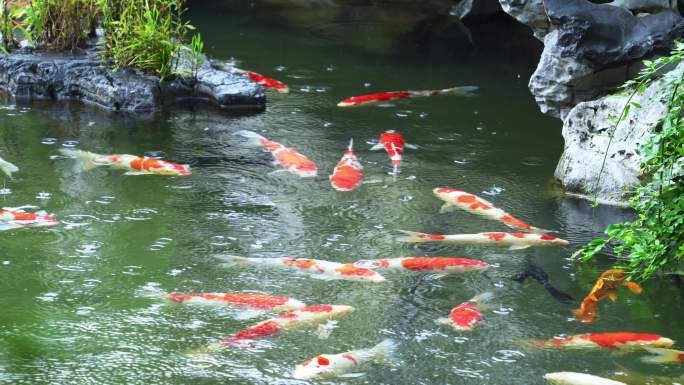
x=78 y=303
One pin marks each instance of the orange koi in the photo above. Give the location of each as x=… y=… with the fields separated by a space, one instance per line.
x=250 y=300
x=315 y=267
x=605 y=287
x=467 y=315
x=455 y=198
x=13 y=218
x=613 y=341
x=288 y=158
x=348 y=172
x=308 y=316
x=515 y=241
x=136 y=165
x=264 y=81
x=381 y=97
x=444 y=265
x=393 y=142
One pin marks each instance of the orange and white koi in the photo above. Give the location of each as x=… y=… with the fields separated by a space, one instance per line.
x=348 y=172
x=315 y=267
x=263 y=81
x=393 y=142
x=288 y=158
x=381 y=97
x=7 y=167
x=257 y=301
x=444 y=265
x=664 y=356
x=613 y=341
x=13 y=218
x=136 y=165
x=306 y=317
x=515 y=241
x=605 y=287
x=467 y=315
x=573 y=378
x=455 y=198
x=343 y=364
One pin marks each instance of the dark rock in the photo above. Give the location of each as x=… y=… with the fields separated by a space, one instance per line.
x=85 y=78
x=602 y=35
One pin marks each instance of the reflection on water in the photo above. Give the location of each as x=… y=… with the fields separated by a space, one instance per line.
x=73 y=311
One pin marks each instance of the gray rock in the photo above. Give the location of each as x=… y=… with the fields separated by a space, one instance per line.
x=530 y=13
x=85 y=78
x=586 y=132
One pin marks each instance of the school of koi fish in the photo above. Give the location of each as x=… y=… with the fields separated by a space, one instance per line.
x=347 y=176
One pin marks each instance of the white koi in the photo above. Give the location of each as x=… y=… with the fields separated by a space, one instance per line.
x=343 y=364
x=515 y=241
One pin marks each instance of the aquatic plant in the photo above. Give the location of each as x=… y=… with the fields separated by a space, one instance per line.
x=655 y=240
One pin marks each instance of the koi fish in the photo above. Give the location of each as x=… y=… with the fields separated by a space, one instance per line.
x=445 y=265
x=250 y=300
x=515 y=241
x=539 y=275
x=393 y=143
x=605 y=287
x=263 y=81
x=7 y=167
x=308 y=316
x=613 y=341
x=343 y=364
x=348 y=172
x=315 y=267
x=361 y=100
x=455 y=198
x=467 y=315
x=136 y=165
x=288 y=158
x=664 y=356
x=572 y=378
x=13 y=218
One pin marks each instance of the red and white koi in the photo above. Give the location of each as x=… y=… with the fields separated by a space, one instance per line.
x=136 y=165
x=466 y=316
x=348 y=172
x=514 y=241
x=455 y=198
x=13 y=218
x=315 y=267
x=288 y=158
x=263 y=81
x=381 y=97
x=573 y=378
x=7 y=167
x=613 y=341
x=664 y=356
x=306 y=317
x=256 y=301
x=444 y=265
x=393 y=142
x=343 y=364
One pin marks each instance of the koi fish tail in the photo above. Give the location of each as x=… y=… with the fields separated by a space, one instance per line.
x=461 y=91
x=482 y=298
x=588 y=311
x=88 y=160
x=253 y=139
x=7 y=167
x=663 y=356
x=384 y=351
x=232 y=260
x=411 y=236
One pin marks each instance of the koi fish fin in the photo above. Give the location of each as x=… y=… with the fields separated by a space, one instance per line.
x=253 y=139
x=461 y=91
x=377 y=147
x=248 y=314
x=232 y=260
x=87 y=159
x=443 y=321
x=537 y=230
x=663 y=356
x=482 y=298
x=411 y=236
x=384 y=351
x=137 y=173
x=518 y=247
x=447 y=208
x=210 y=349
x=365 y=263
x=351 y=375
x=323 y=331
x=351 y=145
x=633 y=287
x=9 y=226
x=612 y=296
x=411 y=146
x=8 y=168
